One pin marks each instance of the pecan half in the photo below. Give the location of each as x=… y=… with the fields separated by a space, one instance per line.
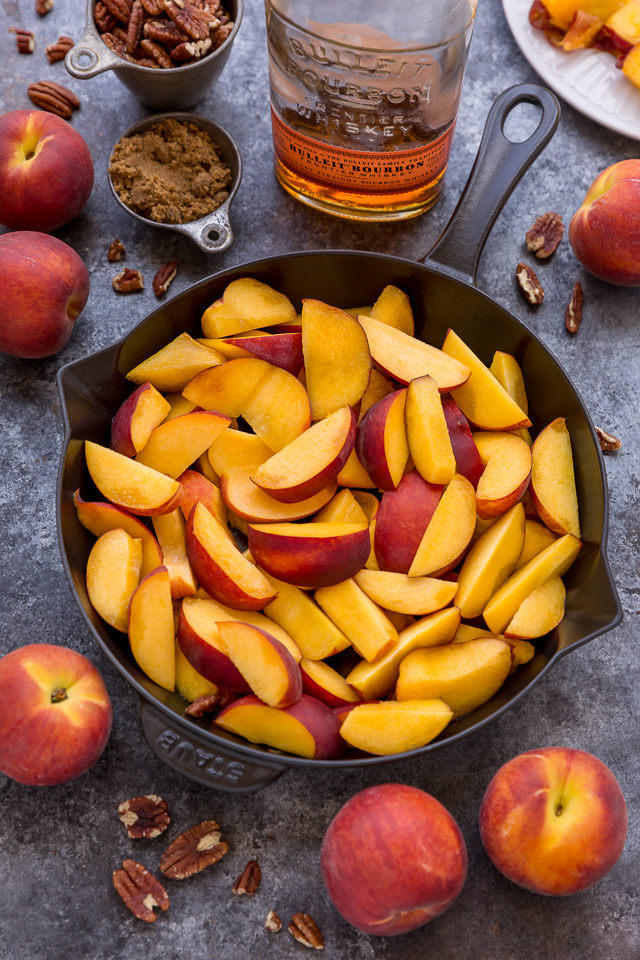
x=54 y=98
x=154 y=8
x=249 y=880
x=573 y=313
x=134 y=29
x=193 y=851
x=304 y=929
x=607 y=440
x=164 y=276
x=545 y=235
x=157 y=53
x=145 y=817
x=128 y=281
x=105 y=21
x=140 y=890
x=187 y=18
x=165 y=32
x=121 y=9
x=273 y=923
x=220 y=35
x=529 y=284
x=58 y=50
x=193 y=50
x=213 y=701
x=43 y=7
x=118 y=46
x=25 y=40
x=116 y=250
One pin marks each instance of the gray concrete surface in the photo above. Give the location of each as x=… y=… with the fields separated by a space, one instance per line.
x=58 y=846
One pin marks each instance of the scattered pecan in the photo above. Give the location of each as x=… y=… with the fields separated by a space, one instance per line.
x=187 y=18
x=164 y=277
x=573 y=313
x=165 y=32
x=134 y=29
x=140 y=890
x=545 y=235
x=249 y=880
x=25 y=40
x=43 y=7
x=529 y=284
x=193 y=851
x=145 y=817
x=273 y=923
x=607 y=440
x=116 y=250
x=54 y=98
x=121 y=9
x=58 y=50
x=157 y=53
x=213 y=701
x=128 y=281
x=105 y=21
x=193 y=50
x=304 y=929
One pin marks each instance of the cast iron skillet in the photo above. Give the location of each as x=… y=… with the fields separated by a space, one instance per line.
x=443 y=294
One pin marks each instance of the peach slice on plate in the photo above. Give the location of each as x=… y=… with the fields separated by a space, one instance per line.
x=381 y=445
x=361 y=620
x=197 y=489
x=342 y=508
x=393 y=307
x=264 y=662
x=387 y=728
x=482 y=399
x=353 y=474
x=540 y=613
x=248 y=501
x=234 y=448
x=507 y=469
x=308 y=728
x=129 y=484
x=151 y=628
x=175 y=444
x=507 y=372
x=98 y=517
x=449 y=531
x=378 y=387
x=415 y=595
x=219 y=566
x=113 y=572
x=375 y=680
x=553 y=485
x=310 y=462
x=311 y=554
x=200 y=642
x=402 y=519
x=176 y=364
x=336 y=358
x=490 y=561
x=246 y=304
x=281 y=349
x=405 y=358
x=468 y=461
x=137 y=418
x=324 y=683
x=536 y=538
x=170 y=531
x=465 y=675
x=427 y=432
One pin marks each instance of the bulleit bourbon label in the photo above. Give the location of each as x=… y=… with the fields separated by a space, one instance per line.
x=358 y=170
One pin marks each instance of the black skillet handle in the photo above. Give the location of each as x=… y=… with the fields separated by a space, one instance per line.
x=497 y=169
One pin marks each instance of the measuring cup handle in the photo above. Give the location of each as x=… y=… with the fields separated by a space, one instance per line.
x=497 y=169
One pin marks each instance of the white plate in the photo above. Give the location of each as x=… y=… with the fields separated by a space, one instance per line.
x=587 y=79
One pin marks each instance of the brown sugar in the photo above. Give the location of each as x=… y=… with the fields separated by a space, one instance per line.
x=170 y=173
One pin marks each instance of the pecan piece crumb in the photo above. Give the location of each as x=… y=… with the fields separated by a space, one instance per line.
x=529 y=284
x=573 y=313
x=164 y=276
x=25 y=40
x=58 y=50
x=116 y=250
x=304 y=929
x=273 y=923
x=43 y=7
x=213 y=701
x=140 y=890
x=54 y=98
x=145 y=817
x=249 y=880
x=193 y=851
x=608 y=442
x=545 y=235
x=128 y=281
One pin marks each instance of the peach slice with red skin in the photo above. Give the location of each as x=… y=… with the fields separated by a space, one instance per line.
x=414 y=595
x=324 y=683
x=388 y=727
x=191 y=685
x=490 y=561
x=308 y=728
x=468 y=460
x=200 y=642
x=246 y=304
x=170 y=531
x=246 y=500
x=540 y=613
x=279 y=411
x=402 y=520
x=137 y=418
x=151 y=628
x=393 y=307
x=310 y=555
x=449 y=531
x=507 y=470
x=220 y=567
x=113 y=572
x=427 y=432
x=197 y=489
x=98 y=517
x=176 y=443
x=281 y=349
x=264 y=662
x=553 y=485
x=381 y=444
x=234 y=448
x=223 y=613
x=360 y=619
x=129 y=484
x=172 y=367
x=378 y=387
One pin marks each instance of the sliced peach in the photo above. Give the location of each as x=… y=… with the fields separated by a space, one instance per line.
x=266 y=665
x=246 y=304
x=298 y=613
x=507 y=469
x=468 y=632
x=308 y=728
x=189 y=683
x=378 y=387
x=448 y=532
x=468 y=461
x=98 y=517
x=353 y=474
x=312 y=554
x=311 y=461
x=405 y=358
x=521 y=652
x=279 y=411
x=326 y=684
x=151 y=628
x=427 y=432
x=536 y=538
x=342 y=508
x=200 y=642
x=228 y=350
x=234 y=448
x=129 y=484
x=113 y=572
x=415 y=595
x=540 y=613
x=464 y=675
x=401 y=521
x=553 y=484
x=375 y=680
x=228 y=388
x=507 y=372
x=176 y=364
x=368 y=503
x=170 y=531
x=220 y=567
x=381 y=444
x=582 y=32
x=179 y=405
x=336 y=358
x=175 y=444
x=281 y=349
x=372 y=560
x=553 y=561
x=223 y=613
x=360 y=619
x=393 y=307
x=136 y=419
x=248 y=501
x=197 y=489
x=203 y=466
x=490 y=561
x=388 y=728
x=400 y=620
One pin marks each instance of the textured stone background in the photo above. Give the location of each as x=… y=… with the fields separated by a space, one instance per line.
x=58 y=846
